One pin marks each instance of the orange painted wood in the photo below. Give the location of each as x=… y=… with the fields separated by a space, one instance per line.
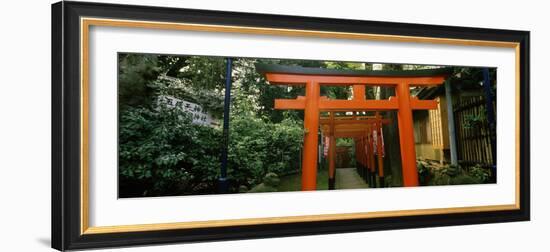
x=347 y=105
x=311 y=126
x=348 y=134
x=298 y=103
x=417 y=104
x=352 y=117
x=406 y=136
x=301 y=79
x=342 y=127
x=359 y=92
x=341 y=105
x=353 y=122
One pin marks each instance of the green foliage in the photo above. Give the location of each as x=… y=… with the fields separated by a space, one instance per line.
x=388 y=181
x=253 y=95
x=475 y=120
x=467 y=78
x=205 y=73
x=451 y=170
x=142 y=77
x=440 y=178
x=271 y=179
x=423 y=173
x=480 y=173
x=257 y=147
x=293 y=182
x=452 y=174
x=345 y=142
x=269 y=184
x=464 y=179
x=135 y=74
x=164 y=152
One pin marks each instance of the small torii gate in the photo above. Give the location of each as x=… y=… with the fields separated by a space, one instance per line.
x=358 y=128
x=312 y=103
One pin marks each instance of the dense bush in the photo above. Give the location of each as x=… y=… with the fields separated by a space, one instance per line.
x=451 y=174
x=162 y=153
x=257 y=147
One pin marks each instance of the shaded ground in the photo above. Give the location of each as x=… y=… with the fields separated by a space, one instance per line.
x=293 y=182
x=348 y=178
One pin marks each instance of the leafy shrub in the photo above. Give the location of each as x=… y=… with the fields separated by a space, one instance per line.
x=162 y=153
x=269 y=184
x=452 y=174
x=424 y=173
x=464 y=179
x=451 y=170
x=440 y=178
x=480 y=173
x=257 y=147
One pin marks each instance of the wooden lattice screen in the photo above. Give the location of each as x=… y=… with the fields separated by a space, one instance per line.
x=472 y=130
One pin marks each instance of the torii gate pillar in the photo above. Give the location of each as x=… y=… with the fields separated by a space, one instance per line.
x=406 y=135
x=311 y=126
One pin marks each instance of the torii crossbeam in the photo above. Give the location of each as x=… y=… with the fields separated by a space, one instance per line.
x=312 y=103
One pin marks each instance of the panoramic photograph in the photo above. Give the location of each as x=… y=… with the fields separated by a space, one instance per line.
x=197 y=125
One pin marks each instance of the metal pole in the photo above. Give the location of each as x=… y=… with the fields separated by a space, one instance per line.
x=451 y=122
x=222 y=181
x=490 y=116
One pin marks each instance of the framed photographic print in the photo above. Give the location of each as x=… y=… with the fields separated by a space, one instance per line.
x=179 y=125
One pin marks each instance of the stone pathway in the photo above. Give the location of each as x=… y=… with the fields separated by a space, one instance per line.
x=348 y=178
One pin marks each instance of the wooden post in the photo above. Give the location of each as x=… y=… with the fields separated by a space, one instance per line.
x=331 y=154
x=406 y=135
x=359 y=92
x=379 y=150
x=311 y=126
x=358 y=156
x=372 y=163
x=366 y=150
x=363 y=158
x=451 y=123
x=491 y=120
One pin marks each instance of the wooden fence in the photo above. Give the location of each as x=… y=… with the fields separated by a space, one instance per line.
x=473 y=133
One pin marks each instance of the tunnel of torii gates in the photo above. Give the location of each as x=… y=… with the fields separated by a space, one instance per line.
x=313 y=103
x=367 y=134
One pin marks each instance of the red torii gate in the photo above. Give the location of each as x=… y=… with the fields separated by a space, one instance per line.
x=312 y=103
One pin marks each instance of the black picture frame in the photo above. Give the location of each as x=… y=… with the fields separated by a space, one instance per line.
x=66 y=141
